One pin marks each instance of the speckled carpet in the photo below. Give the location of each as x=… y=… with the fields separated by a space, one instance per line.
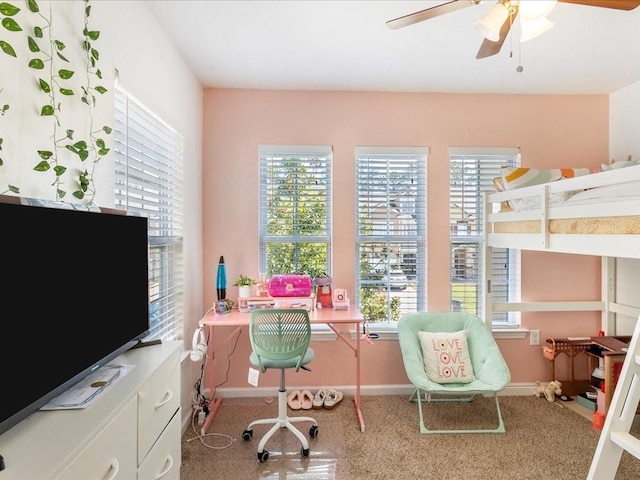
x=542 y=441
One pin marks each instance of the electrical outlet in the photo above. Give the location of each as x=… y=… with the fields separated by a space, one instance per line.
x=534 y=337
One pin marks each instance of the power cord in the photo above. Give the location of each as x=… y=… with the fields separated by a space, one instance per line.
x=202 y=437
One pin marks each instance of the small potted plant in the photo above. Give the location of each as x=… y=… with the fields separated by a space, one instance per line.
x=244 y=284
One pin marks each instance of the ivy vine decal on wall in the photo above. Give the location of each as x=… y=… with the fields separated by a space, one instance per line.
x=54 y=73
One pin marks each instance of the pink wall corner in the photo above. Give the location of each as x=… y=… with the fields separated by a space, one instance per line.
x=551 y=130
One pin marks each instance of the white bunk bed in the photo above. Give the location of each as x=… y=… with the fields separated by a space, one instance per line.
x=596 y=214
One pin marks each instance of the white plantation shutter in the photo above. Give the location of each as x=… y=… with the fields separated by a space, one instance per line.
x=148 y=182
x=472 y=171
x=391 y=228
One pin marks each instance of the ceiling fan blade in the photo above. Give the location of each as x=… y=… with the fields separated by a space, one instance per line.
x=428 y=13
x=617 y=4
x=489 y=48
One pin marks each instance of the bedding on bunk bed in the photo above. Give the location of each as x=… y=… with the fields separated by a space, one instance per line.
x=616 y=196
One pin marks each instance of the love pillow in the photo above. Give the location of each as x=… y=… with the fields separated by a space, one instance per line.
x=446 y=357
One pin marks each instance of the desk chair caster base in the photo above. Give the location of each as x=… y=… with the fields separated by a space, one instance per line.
x=264 y=455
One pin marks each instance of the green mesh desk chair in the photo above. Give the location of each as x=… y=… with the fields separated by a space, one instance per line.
x=489 y=367
x=280 y=339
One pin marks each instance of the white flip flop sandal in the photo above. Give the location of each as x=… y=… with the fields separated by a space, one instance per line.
x=318 y=399
x=333 y=398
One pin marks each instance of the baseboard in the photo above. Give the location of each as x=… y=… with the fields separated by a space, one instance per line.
x=259 y=392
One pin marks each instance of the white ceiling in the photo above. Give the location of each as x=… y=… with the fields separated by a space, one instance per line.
x=345 y=45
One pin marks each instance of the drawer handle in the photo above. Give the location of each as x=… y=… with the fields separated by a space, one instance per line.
x=169 y=465
x=114 y=468
x=167 y=396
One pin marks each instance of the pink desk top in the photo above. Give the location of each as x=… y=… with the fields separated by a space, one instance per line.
x=321 y=315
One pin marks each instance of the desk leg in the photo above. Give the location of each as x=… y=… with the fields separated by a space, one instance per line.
x=356 y=398
x=214 y=403
x=356 y=350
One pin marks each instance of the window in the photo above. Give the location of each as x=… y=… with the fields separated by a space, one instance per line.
x=295 y=209
x=148 y=182
x=472 y=171
x=390 y=233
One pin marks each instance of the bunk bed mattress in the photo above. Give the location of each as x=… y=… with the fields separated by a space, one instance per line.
x=614 y=225
x=596 y=225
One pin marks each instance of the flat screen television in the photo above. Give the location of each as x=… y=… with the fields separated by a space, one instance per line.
x=74 y=294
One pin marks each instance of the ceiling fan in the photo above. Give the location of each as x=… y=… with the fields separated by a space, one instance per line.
x=492 y=46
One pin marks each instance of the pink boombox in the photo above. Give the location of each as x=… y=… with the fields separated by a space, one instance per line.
x=290 y=286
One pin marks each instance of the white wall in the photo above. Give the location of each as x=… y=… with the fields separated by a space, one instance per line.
x=624 y=140
x=624 y=123
x=152 y=71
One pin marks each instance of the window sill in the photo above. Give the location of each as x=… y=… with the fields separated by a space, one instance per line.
x=498 y=333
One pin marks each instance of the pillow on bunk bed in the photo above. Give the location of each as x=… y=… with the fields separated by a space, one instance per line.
x=446 y=357
x=620 y=164
x=520 y=177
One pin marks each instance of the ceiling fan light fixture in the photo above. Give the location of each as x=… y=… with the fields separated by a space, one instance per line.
x=531 y=28
x=489 y=26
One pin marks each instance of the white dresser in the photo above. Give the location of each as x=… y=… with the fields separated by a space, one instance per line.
x=132 y=431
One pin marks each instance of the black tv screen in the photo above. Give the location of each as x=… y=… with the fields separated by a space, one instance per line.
x=74 y=294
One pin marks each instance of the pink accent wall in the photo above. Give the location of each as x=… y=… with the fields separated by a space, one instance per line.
x=551 y=130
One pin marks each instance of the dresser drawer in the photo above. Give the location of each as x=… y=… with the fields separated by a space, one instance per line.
x=164 y=459
x=158 y=401
x=111 y=454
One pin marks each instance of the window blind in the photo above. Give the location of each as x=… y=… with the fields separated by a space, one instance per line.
x=472 y=171
x=149 y=182
x=295 y=209
x=390 y=232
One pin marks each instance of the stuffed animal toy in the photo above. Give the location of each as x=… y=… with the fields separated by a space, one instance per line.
x=549 y=391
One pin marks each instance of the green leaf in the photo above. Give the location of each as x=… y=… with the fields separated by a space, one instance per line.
x=59 y=45
x=37 y=31
x=99 y=74
x=70 y=134
x=47 y=110
x=14 y=189
x=84 y=100
x=45 y=154
x=66 y=91
x=106 y=129
x=65 y=74
x=42 y=167
x=59 y=169
x=8 y=49
x=101 y=89
x=11 y=25
x=95 y=54
x=93 y=35
x=78 y=194
x=1 y=162
x=33 y=6
x=83 y=154
x=8 y=9
x=80 y=145
x=5 y=107
x=44 y=86
x=37 y=64
x=62 y=57
x=60 y=193
x=100 y=143
x=87 y=11
x=103 y=151
x=33 y=46
x=71 y=148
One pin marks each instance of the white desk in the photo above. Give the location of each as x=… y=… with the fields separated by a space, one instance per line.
x=326 y=316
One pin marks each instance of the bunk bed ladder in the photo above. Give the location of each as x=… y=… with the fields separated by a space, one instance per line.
x=615 y=437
